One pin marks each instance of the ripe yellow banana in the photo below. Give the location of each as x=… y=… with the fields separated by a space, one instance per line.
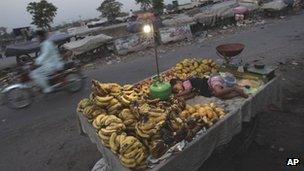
x=134 y=146
x=101 y=104
x=132 y=154
x=124 y=101
x=141 y=158
x=106 y=132
x=105 y=99
x=128 y=92
x=127 y=114
x=140 y=133
x=103 y=137
x=112 y=120
x=130 y=163
x=114 y=107
x=113 y=102
x=129 y=122
x=155 y=114
x=127 y=87
x=112 y=143
x=118 y=127
x=105 y=143
x=146 y=126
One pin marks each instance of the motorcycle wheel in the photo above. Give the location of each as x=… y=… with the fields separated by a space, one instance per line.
x=74 y=82
x=18 y=98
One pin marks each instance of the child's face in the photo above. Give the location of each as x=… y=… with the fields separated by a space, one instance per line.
x=178 y=87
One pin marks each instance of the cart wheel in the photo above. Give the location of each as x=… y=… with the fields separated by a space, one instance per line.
x=23 y=59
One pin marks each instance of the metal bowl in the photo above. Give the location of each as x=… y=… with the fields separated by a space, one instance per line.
x=230 y=50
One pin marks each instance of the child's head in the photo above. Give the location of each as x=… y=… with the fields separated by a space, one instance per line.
x=177 y=85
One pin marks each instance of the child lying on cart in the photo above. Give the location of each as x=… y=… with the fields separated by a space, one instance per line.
x=208 y=87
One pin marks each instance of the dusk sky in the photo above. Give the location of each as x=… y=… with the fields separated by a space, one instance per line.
x=13 y=12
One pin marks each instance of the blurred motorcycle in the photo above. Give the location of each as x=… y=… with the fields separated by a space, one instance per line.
x=20 y=91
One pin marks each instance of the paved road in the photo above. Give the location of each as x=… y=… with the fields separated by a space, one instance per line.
x=44 y=136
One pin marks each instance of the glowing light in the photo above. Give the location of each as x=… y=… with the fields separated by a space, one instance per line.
x=147 y=29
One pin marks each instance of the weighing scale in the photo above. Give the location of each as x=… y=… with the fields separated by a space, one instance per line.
x=230 y=51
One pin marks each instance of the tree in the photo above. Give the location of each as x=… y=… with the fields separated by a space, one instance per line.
x=111 y=9
x=157 y=5
x=43 y=13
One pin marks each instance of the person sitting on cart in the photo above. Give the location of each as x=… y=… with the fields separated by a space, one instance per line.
x=48 y=61
x=214 y=86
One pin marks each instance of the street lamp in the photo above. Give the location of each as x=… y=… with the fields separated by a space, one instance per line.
x=147 y=28
x=150 y=29
x=159 y=88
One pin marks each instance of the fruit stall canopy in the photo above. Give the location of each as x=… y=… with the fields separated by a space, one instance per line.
x=201 y=147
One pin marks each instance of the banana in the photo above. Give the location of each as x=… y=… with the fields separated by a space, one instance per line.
x=112 y=143
x=117 y=127
x=132 y=154
x=112 y=119
x=103 y=120
x=95 y=125
x=103 y=137
x=113 y=102
x=146 y=126
x=114 y=107
x=157 y=110
x=126 y=114
x=114 y=112
x=130 y=163
x=105 y=99
x=136 y=145
x=127 y=87
x=101 y=104
x=141 y=158
x=140 y=133
x=106 y=132
x=121 y=138
x=129 y=122
x=129 y=141
x=155 y=115
x=128 y=92
x=159 y=119
x=105 y=143
x=124 y=101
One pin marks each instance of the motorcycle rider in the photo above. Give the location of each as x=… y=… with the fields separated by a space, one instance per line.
x=49 y=62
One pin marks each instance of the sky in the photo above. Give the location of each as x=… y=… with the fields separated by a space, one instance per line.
x=13 y=12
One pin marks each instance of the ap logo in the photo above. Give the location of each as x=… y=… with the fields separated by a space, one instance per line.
x=292 y=162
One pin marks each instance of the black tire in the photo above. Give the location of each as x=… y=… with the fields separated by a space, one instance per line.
x=74 y=82
x=13 y=105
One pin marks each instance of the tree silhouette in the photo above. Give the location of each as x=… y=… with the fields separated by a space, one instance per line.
x=43 y=13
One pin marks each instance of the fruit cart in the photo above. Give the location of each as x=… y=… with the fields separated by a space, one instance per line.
x=26 y=51
x=210 y=123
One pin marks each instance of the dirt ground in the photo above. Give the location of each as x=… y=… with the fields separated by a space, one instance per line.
x=279 y=134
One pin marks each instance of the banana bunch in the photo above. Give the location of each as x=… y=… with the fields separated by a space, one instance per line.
x=129 y=118
x=194 y=67
x=144 y=87
x=128 y=95
x=153 y=120
x=206 y=113
x=109 y=103
x=93 y=111
x=106 y=126
x=132 y=153
x=104 y=89
x=83 y=104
